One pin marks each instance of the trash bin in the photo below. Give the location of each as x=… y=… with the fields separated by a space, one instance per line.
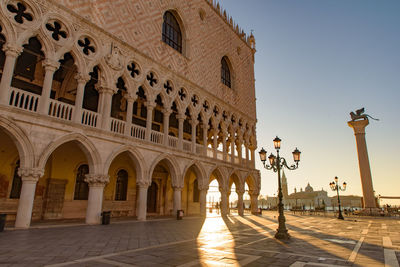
x=179 y=214
x=106 y=216
x=2 y=221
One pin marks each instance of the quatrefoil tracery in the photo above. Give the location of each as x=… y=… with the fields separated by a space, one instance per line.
x=215 y=111
x=182 y=94
x=86 y=47
x=206 y=106
x=195 y=100
x=56 y=29
x=133 y=70
x=152 y=79
x=168 y=87
x=20 y=13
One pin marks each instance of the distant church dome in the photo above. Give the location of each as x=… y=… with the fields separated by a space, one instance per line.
x=308 y=188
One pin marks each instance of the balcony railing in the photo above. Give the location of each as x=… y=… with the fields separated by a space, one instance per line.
x=60 y=110
x=156 y=137
x=187 y=145
x=199 y=149
x=30 y=101
x=220 y=155
x=138 y=132
x=172 y=141
x=117 y=126
x=89 y=118
x=23 y=99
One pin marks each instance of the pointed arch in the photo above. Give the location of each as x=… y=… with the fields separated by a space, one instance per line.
x=134 y=155
x=88 y=148
x=21 y=140
x=219 y=175
x=199 y=171
x=176 y=178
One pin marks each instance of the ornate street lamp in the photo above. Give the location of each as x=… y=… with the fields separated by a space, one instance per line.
x=336 y=187
x=276 y=163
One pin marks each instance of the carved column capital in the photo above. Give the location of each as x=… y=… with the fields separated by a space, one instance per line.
x=177 y=187
x=82 y=78
x=166 y=111
x=12 y=50
x=30 y=174
x=143 y=184
x=106 y=90
x=181 y=117
x=130 y=97
x=51 y=65
x=97 y=179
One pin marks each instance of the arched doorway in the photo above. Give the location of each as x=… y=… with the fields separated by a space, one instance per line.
x=62 y=192
x=190 y=192
x=152 y=195
x=10 y=182
x=161 y=188
x=120 y=193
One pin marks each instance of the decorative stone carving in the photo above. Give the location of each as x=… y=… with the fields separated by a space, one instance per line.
x=30 y=174
x=143 y=184
x=114 y=58
x=97 y=179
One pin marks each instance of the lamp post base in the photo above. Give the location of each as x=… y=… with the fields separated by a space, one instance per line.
x=340 y=217
x=282 y=234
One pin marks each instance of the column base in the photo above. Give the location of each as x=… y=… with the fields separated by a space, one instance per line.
x=282 y=234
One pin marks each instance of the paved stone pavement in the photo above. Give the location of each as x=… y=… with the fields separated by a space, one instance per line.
x=214 y=241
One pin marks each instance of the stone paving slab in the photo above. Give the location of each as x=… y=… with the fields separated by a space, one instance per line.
x=214 y=241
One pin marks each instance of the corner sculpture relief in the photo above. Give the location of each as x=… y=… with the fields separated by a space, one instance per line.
x=360 y=115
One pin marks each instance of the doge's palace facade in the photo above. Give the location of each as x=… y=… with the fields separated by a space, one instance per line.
x=129 y=106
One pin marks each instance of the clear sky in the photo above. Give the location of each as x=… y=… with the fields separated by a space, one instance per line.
x=316 y=61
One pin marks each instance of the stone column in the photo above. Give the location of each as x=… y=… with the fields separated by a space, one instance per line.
x=224 y=200
x=50 y=67
x=166 y=113
x=96 y=183
x=177 y=199
x=141 y=201
x=247 y=154
x=129 y=112
x=82 y=79
x=181 y=118
x=240 y=205
x=12 y=52
x=194 y=124
x=215 y=142
x=232 y=147
x=149 y=121
x=363 y=161
x=254 y=202
x=105 y=99
x=205 y=138
x=239 y=149
x=29 y=177
x=203 y=201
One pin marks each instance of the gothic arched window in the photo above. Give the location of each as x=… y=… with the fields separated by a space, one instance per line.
x=196 y=192
x=171 y=32
x=81 y=187
x=121 y=186
x=225 y=72
x=16 y=183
